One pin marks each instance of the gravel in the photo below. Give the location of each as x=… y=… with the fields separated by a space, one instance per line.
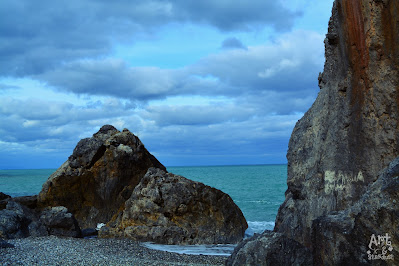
x=74 y=251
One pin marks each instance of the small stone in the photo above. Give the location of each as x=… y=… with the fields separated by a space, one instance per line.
x=60 y=222
x=4 y=244
x=89 y=232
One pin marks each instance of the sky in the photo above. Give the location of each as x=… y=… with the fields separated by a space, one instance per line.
x=210 y=82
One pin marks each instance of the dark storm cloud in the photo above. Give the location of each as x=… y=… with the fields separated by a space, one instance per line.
x=114 y=78
x=233 y=43
x=240 y=14
x=255 y=140
x=39 y=35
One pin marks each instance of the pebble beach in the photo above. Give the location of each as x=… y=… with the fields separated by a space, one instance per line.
x=77 y=251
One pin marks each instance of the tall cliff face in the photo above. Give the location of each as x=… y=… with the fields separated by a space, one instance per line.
x=351 y=131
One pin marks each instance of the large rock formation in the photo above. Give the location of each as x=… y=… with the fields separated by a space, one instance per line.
x=350 y=132
x=99 y=176
x=334 y=204
x=170 y=209
x=111 y=178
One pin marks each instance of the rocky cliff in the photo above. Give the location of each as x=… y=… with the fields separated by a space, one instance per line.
x=350 y=132
x=337 y=204
x=364 y=234
x=99 y=176
x=354 y=235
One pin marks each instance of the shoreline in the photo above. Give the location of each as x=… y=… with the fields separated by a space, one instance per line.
x=52 y=250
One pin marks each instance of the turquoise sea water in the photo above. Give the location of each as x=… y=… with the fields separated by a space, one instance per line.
x=23 y=182
x=257 y=189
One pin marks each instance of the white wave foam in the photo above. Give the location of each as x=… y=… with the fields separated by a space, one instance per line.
x=215 y=250
x=257 y=227
x=99 y=225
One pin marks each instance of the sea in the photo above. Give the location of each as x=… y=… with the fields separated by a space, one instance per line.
x=258 y=190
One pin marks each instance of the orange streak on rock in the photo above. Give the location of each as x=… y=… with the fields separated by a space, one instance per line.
x=357 y=50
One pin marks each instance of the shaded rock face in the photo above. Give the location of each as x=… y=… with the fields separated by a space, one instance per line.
x=59 y=221
x=19 y=221
x=3 y=200
x=270 y=248
x=4 y=196
x=99 y=176
x=350 y=132
x=345 y=237
x=14 y=221
x=170 y=209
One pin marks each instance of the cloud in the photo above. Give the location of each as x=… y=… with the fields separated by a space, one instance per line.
x=216 y=131
x=252 y=141
x=233 y=43
x=269 y=70
x=241 y=14
x=293 y=58
x=6 y=87
x=237 y=105
x=52 y=34
x=114 y=78
x=32 y=121
x=33 y=109
x=196 y=115
x=262 y=91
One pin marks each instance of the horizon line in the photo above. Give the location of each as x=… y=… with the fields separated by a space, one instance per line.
x=170 y=166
